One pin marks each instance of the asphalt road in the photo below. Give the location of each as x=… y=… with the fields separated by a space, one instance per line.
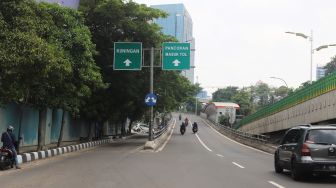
x=206 y=159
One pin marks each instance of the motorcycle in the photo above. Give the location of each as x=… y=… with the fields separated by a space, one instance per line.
x=182 y=129
x=195 y=128
x=6 y=158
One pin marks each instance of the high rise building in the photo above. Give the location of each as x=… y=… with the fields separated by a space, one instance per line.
x=320 y=72
x=68 y=3
x=179 y=24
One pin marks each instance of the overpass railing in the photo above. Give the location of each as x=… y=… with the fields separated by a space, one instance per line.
x=320 y=87
x=241 y=134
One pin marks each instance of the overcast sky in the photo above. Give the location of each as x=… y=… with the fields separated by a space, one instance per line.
x=241 y=42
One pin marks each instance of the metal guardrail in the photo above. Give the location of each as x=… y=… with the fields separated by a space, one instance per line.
x=241 y=134
x=160 y=132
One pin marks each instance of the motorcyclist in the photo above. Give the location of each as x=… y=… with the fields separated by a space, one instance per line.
x=9 y=142
x=186 y=121
x=183 y=127
x=195 y=127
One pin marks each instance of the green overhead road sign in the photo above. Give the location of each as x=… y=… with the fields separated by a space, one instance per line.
x=175 y=56
x=127 y=56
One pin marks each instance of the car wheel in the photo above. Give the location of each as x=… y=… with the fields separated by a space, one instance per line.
x=277 y=167
x=295 y=172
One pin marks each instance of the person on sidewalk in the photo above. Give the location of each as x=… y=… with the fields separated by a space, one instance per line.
x=9 y=142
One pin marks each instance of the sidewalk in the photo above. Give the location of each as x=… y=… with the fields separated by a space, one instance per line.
x=32 y=156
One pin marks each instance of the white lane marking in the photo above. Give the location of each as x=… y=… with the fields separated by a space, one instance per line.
x=275 y=184
x=240 y=166
x=219 y=155
x=165 y=143
x=205 y=146
x=235 y=141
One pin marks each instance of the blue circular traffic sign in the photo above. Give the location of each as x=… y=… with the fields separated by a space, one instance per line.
x=150 y=99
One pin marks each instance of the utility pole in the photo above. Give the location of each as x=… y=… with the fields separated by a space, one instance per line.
x=151 y=90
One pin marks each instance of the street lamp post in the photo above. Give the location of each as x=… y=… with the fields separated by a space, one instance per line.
x=280 y=79
x=311 y=48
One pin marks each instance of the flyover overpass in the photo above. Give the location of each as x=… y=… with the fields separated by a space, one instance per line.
x=314 y=104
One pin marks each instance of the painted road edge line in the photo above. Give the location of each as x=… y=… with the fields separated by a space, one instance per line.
x=219 y=155
x=166 y=142
x=235 y=141
x=275 y=184
x=205 y=146
x=240 y=166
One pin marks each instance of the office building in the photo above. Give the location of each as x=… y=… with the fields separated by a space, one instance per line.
x=179 y=24
x=320 y=72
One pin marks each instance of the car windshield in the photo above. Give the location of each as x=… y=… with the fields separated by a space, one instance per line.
x=321 y=136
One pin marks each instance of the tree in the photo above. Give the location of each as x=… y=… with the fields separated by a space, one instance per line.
x=261 y=93
x=116 y=20
x=46 y=58
x=225 y=94
x=75 y=39
x=331 y=66
x=242 y=98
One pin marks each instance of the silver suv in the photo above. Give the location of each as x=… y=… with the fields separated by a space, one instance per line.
x=307 y=149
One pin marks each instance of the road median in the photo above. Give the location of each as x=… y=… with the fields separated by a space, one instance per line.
x=162 y=140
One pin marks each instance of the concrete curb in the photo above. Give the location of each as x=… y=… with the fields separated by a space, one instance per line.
x=155 y=144
x=28 y=157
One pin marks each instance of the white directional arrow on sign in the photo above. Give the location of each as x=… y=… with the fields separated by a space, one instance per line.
x=153 y=100
x=148 y=99
x=127 y=62
x=176 y=62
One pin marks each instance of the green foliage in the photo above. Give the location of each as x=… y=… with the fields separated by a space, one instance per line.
x=252 y=98
x=116 y=20
x=225 y=94
x=331 y=66
x=224 y=120
x=242 y=98
x=45 y=55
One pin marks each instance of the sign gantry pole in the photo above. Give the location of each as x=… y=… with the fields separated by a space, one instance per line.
x=128 y=56
x=151 y=90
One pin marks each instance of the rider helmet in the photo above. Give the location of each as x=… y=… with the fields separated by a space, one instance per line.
x=10 y=128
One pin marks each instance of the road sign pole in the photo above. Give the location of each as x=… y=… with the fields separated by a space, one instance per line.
x=151 y=91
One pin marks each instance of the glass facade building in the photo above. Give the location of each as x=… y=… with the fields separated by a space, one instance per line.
x=320 y=72
x=179 y=24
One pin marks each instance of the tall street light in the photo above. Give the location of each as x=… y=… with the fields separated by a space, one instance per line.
x=280 y=79
x=311 y=48
x=196 y=98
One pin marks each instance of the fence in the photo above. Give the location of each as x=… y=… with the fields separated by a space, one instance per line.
x=241 y=134
x=320 y=87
